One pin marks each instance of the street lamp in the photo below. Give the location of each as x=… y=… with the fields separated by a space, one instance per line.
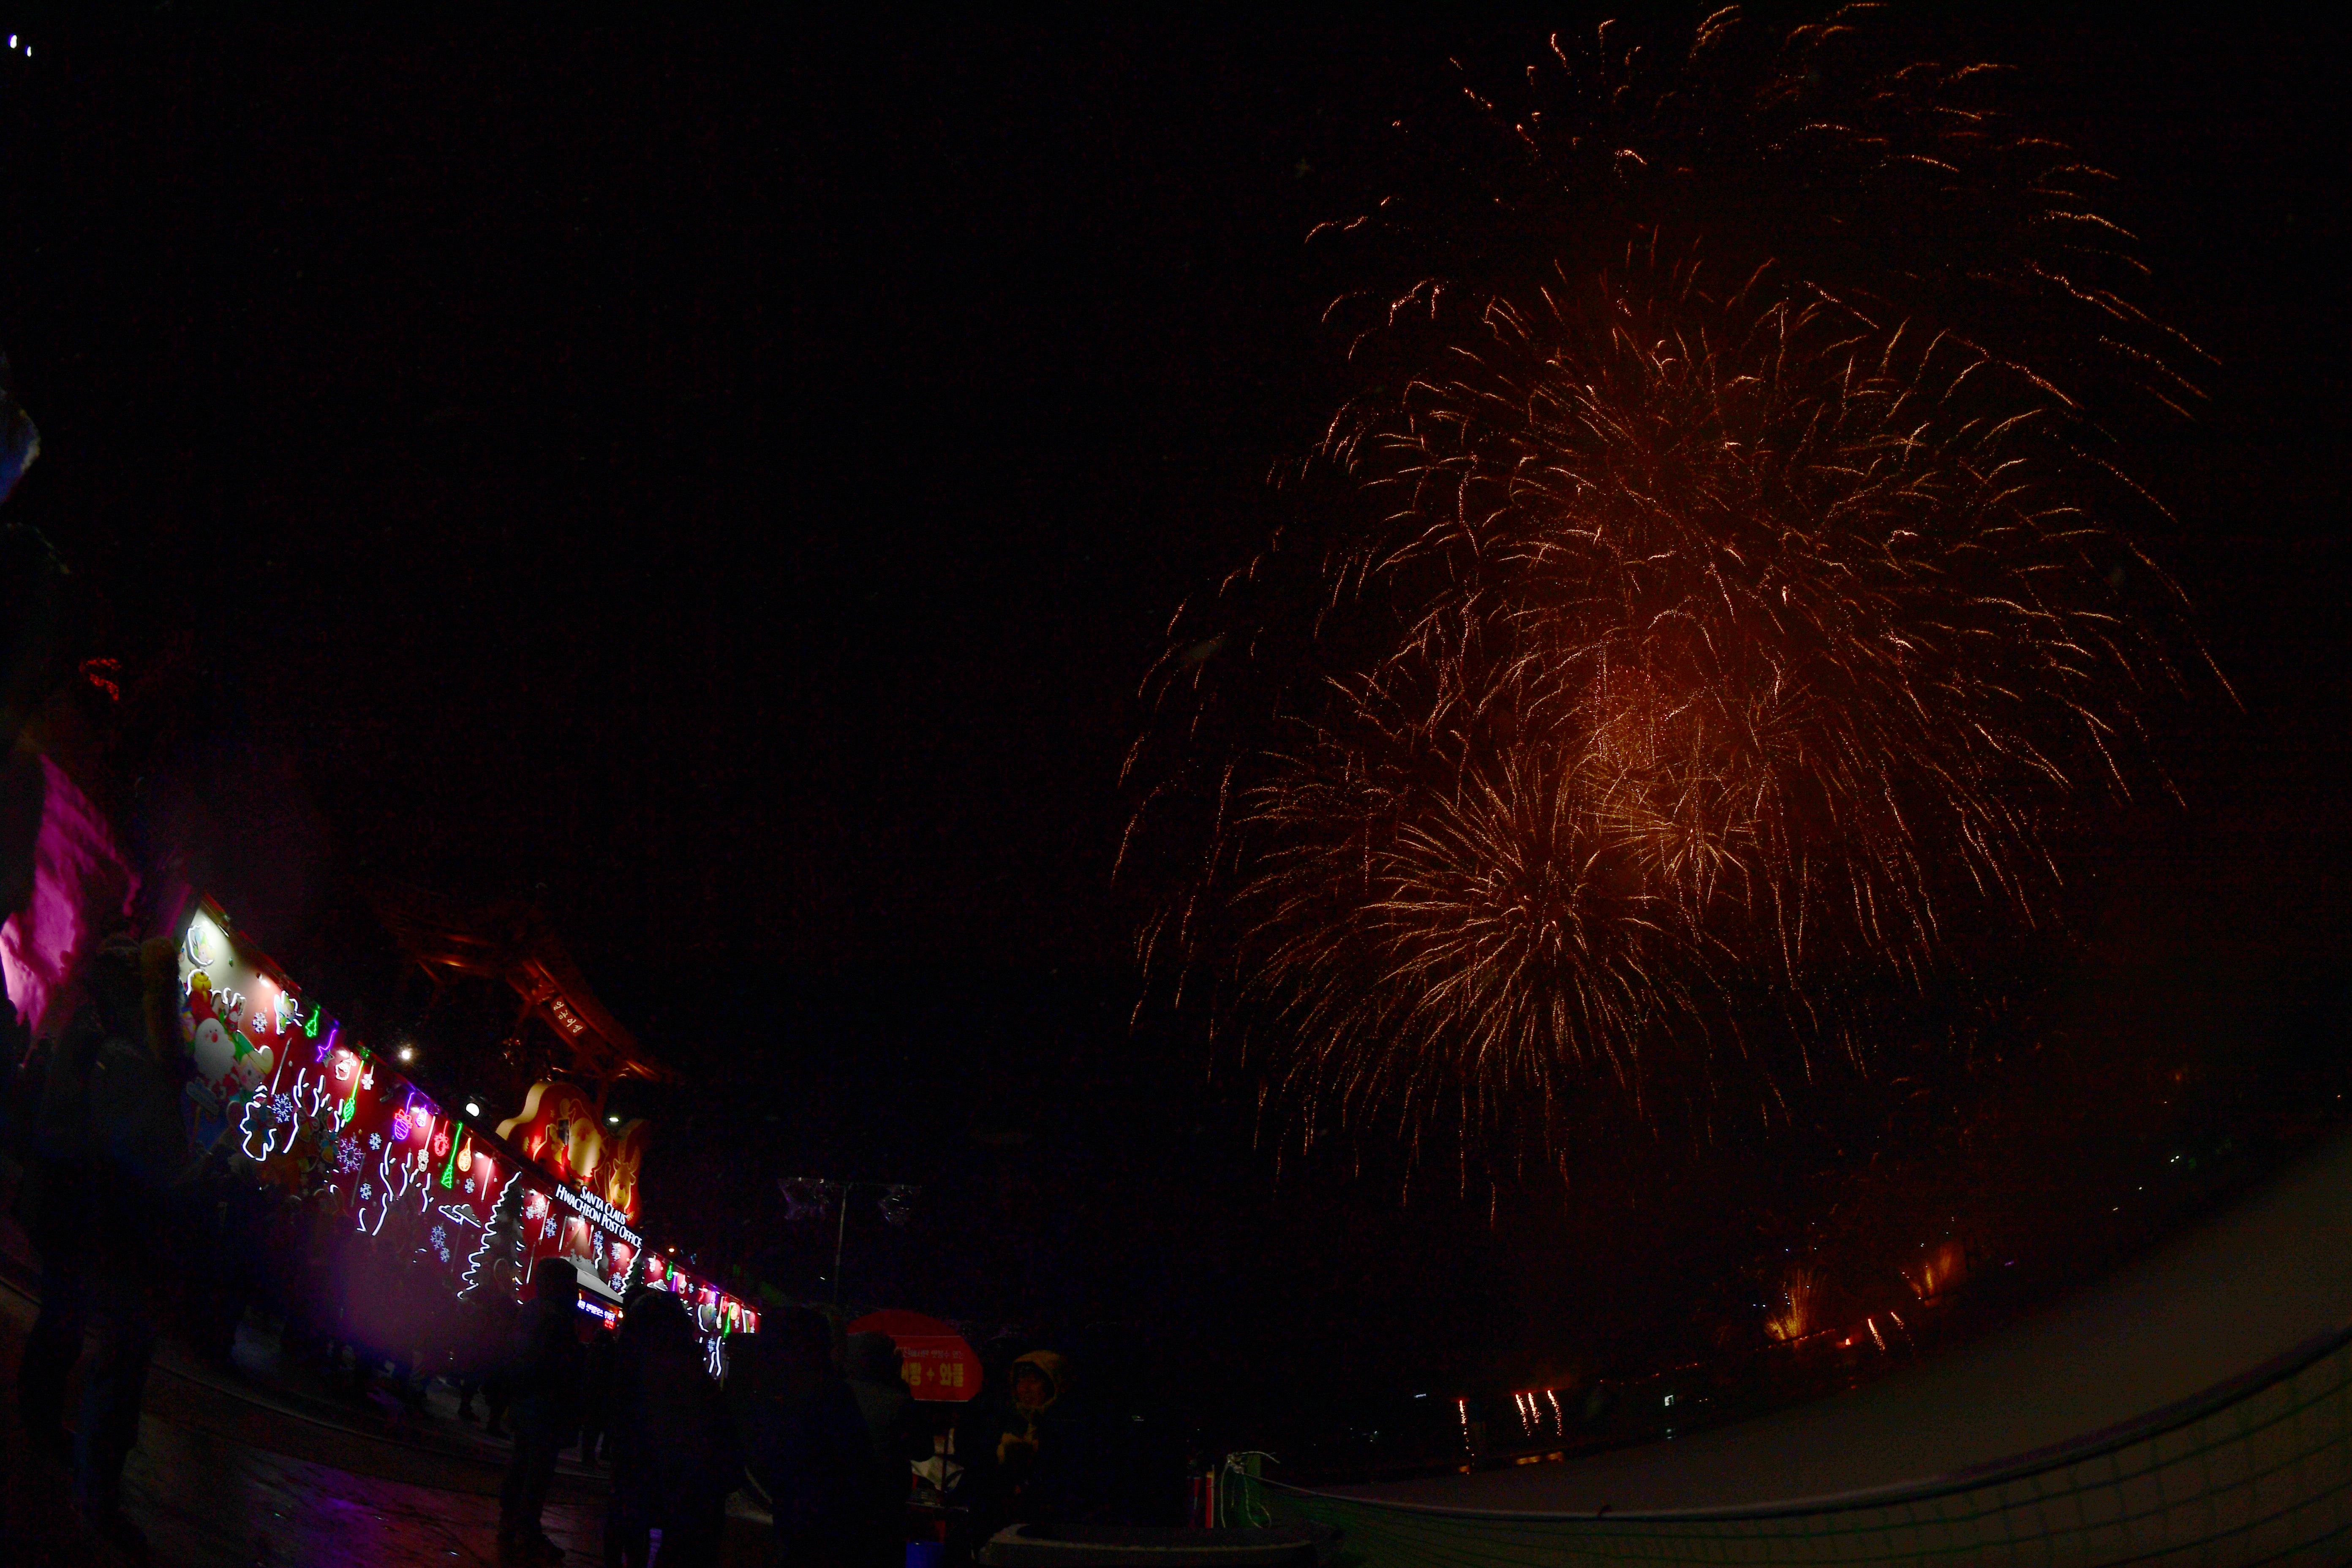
x=803 y=1193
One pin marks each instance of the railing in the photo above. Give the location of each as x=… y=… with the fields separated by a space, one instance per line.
x=2257 y=1470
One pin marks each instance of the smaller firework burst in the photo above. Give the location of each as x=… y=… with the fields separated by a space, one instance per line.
x=1937 y=1269
x=1800 y=1298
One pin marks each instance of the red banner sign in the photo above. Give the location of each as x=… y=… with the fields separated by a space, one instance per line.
x=934 y=1359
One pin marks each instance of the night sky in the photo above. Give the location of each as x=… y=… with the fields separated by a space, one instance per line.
x=729 y=486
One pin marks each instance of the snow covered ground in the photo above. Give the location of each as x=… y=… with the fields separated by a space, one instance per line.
x=2215 y=1302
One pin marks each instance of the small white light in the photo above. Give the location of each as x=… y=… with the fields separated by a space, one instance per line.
x=407 y=1053
x=11 y=40
x=612 y=1122
x=472 y=1108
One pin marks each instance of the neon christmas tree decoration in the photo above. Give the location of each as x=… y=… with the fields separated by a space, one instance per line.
x=503 y=1233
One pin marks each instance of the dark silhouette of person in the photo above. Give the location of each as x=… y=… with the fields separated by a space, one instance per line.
x=808 y=1447
x=110 y=1148
x=896 y=1429
x=676 y=1452
x=546 y=1369
x=490 y=1335
x=599 y=1389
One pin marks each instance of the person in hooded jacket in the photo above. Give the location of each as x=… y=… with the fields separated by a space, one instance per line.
x=1052 y=1462
x=675 y=1449
x=110 y=1148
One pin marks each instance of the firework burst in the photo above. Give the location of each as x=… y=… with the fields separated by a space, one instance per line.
x=1690 y=657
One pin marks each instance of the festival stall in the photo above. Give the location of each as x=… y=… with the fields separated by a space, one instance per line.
x=307 y=1107
x=594 y=1169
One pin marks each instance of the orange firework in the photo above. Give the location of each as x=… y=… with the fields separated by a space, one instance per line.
x=1937 y=1269
x=1691 y=654
x=1798 y=1314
